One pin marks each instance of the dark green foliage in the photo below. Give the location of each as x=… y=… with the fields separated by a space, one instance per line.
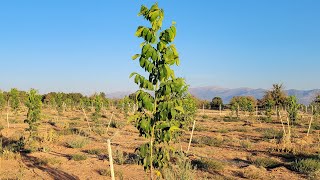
x=78 y=142
x=306 y=166
x=264 y=162
x=34 y=112
x=79 y=157
x=243 y=103
x=276 y=97
x=14 y=100
x=85 y=103
x=98 y=107
x=293 y=107
x=59 y=103
x=316 y=106
x=270 y=133
x=95 y=151
x=159 y=116
x=71 y=101
x=209 y=141
x=190 y=108
x=208 y=165
x=126 y=104
x=269 y=104
x=216 y=103
x=201 y=103
x=70 y=104
x=116 y=124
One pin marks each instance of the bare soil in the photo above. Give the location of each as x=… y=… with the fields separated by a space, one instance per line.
x=234 y=143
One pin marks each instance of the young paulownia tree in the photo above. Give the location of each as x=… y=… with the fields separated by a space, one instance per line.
x=34 y=112
x=160 y=98
x=14 y=100
x=59 y=103
x=97 y=106
x=292 y=108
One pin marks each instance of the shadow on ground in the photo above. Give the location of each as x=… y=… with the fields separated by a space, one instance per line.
x=33 y=162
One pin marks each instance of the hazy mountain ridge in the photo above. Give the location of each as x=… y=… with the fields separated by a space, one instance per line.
x=209 y=92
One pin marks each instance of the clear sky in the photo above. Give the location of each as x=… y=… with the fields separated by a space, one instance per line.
x=86 y=46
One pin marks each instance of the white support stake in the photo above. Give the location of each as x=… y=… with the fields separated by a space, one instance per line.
x=110 y=160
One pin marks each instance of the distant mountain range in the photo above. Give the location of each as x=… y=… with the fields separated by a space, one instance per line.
x=209 y=92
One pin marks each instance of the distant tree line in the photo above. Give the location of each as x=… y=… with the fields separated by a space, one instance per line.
x=273 y=101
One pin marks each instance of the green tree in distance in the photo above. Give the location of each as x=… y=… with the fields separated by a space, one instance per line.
x=34 y=112
x=59 y=103
x=14 y=100
x=216 y=103
x=293 y=108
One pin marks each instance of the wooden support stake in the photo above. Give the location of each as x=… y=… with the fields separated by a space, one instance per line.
x=109 y=122
x=310 y=125
x=85 y=116
x=110 y=160
x=220 y=109
x=289 y=129
x=306 y=109
x=194 y=124
x=284 y=129
x=203 y=109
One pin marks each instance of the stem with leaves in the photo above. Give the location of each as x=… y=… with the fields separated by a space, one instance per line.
x=159 y=118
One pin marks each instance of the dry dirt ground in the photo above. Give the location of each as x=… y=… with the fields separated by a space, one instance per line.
x=233 y=149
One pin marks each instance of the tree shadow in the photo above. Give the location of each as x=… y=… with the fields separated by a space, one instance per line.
x=33 y=162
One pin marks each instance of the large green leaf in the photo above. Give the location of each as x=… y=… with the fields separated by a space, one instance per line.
x=134 y=57
x=139 y=31
x=179 y=108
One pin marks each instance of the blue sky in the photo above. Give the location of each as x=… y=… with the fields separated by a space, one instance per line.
x=86 y=46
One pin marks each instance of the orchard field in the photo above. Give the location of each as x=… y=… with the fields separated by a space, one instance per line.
x=70 y=146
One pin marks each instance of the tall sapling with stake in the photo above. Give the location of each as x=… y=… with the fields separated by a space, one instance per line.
x=159 y=116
